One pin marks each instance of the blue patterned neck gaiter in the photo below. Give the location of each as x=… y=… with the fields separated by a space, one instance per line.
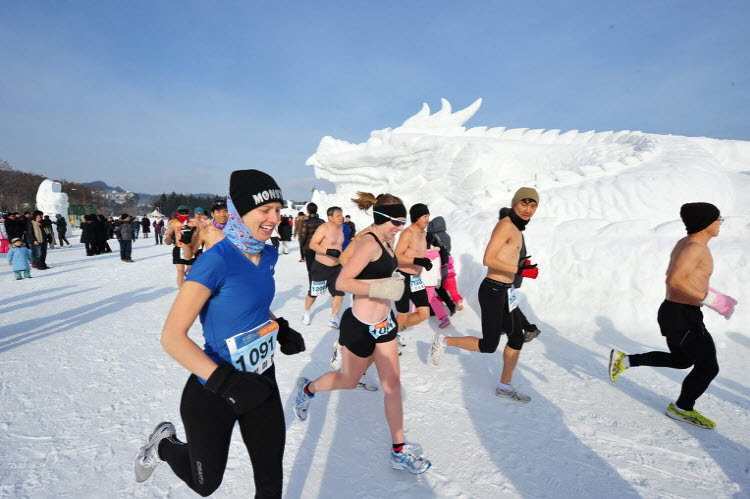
x=238 y=233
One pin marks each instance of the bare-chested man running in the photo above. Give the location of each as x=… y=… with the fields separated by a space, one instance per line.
x=410 y=251
x=680 y=317
x=211 y=232
x=180 y=233
x=326 y=243
x=497 y=296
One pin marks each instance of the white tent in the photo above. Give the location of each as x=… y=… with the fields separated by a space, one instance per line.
x=156 y=213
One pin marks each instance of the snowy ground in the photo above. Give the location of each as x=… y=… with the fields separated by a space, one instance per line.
x=83 y=381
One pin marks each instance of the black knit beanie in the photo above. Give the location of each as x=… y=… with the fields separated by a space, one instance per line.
x=698 y=216
x=252 y=188
x=417 y=211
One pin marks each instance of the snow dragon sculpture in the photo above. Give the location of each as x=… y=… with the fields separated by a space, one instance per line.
x=433 y=158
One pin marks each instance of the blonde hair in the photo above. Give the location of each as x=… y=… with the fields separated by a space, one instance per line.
x=366 y=200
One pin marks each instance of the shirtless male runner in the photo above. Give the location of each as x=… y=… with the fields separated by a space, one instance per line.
x=326 y=242
x=212 y=230
x=680 y=317
x=410 y=252
x=497 y=295
x=180 y=233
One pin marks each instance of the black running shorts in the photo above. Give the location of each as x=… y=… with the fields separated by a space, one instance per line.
x=418 y=298
x=496 y=318
x=360 y=338
x=177 y=257
x=320 y=273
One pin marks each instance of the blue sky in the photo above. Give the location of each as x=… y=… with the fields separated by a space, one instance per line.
x=167 y=95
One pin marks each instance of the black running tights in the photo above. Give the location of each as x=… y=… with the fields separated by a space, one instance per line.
x=692 y=348
x=209 y=421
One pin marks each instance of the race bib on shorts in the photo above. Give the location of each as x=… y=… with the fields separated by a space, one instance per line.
x=317 y=288
x=512 y=299
x=382 y=328
x=415 y=283
x=253 y=350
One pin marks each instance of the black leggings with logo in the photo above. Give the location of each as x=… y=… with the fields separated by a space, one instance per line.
x=690 y=345
x=209 y=421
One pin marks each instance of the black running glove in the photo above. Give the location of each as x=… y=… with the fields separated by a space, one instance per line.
x=290 y=341
x=186 y=234
x=243 y=391
x=424 y=262
x=333 y=252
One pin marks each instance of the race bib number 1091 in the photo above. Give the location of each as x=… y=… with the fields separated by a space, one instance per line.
x=253 y=350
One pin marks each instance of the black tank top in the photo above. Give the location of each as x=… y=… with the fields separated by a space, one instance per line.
x=380 y=268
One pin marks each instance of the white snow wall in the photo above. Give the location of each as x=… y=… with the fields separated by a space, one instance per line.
x=608 y=215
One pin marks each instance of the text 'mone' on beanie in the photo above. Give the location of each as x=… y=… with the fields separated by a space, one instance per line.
x=698 y=216
x=525 y=193
x=252 y=188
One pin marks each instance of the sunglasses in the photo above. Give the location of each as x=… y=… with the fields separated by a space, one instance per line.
x=394 y=221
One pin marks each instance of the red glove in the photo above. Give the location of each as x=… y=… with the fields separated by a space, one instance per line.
x=528 y=270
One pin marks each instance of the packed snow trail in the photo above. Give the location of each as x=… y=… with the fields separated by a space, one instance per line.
x=83 y=380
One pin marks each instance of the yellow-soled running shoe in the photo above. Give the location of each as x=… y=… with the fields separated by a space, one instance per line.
x=615 y=364
x=690 y=417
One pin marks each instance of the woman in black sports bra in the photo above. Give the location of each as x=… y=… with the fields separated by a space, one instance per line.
x=368 y=329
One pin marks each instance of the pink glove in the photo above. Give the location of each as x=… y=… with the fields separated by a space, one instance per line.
x=719 y=302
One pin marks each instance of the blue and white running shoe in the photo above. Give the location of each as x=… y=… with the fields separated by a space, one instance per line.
x=302 y=400
x=409 y=461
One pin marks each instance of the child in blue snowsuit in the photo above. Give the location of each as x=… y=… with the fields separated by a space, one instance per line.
x=19 y=256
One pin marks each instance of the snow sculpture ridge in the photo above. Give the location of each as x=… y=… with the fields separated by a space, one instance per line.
x=435 y=155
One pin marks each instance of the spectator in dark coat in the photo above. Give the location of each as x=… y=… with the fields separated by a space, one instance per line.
x=158 y=231
x=103 y=234
x=36 y=241
x=285 y=233
x=88 y=234
x=62 y=228
x=145 y=226
x=298 y=234
x=25 y=224
x=136 y=227
x=14 y=226
x=49 y=234
x=352 y=229
x=110 y=228
x=124 y=233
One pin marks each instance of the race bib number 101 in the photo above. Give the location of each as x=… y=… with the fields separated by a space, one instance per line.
x=253 y=350
x=382 y=328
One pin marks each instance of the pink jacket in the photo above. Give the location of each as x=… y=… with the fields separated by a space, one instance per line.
x=451 y=268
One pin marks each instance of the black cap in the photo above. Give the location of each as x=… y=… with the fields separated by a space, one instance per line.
x=698 y=216
x=417 y=211
x=252 y=188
